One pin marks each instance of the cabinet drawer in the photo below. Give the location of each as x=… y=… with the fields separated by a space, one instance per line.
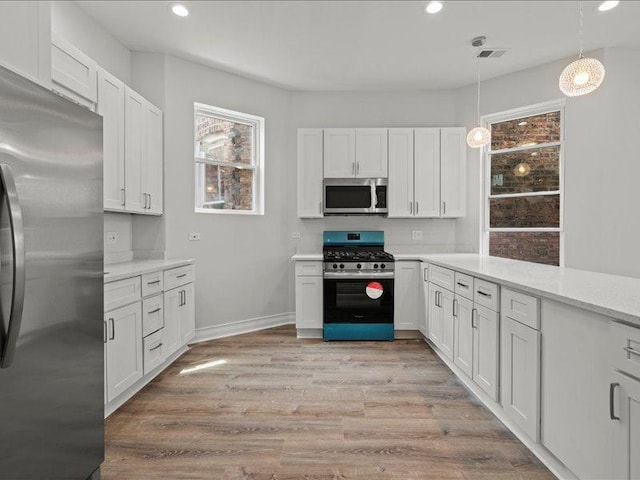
x=486 y=294
x=178 y=276
x=442 y=277
x=308 y=269
x=152 y=283
x=626 y=348
x=464 y=285
x=122 y=292
x=152 y=314
x=154 y=351
x=520 y=307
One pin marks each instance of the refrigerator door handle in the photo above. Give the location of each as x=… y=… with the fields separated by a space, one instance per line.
x=18 y=288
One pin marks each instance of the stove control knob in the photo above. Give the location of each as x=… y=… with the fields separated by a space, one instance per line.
x=359 y=266
x=383 y=266
x=375 y=265
x=335 y=265
x=342 y=265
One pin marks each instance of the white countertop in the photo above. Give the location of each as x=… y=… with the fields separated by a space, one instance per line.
x=307 y=256
x=610 y=295
x=118 y=271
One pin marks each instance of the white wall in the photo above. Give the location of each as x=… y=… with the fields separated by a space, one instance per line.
x=602 y=230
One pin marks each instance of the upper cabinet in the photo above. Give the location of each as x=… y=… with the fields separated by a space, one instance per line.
x=152 y=159
x=25 y=39
x=427 y=172
x=310 y=172
x=73 y=74
x=355 y=152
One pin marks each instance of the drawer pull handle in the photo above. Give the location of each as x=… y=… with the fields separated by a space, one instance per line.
x=463 y=285
x=181 y=275
x=484 y=294
x=156 y=347
x=631 y=351
x=455 y=307
x=154 y=311
x=473 y=318
x=155 y=282
x=612 y=389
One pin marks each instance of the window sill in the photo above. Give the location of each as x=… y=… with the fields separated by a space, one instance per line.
x=227 y=212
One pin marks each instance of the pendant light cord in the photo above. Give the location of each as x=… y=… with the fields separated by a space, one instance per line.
x=478 y=64
x=581 y=26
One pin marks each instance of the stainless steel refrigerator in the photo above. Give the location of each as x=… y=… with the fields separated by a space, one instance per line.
x=51 y=285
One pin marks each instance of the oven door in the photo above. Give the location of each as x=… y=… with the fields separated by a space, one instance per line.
x=358 y=300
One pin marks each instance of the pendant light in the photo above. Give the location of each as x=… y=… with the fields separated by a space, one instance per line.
x=583 y=75
x=479 y=136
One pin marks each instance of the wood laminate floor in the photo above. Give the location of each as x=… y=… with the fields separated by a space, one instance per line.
x=282 y=408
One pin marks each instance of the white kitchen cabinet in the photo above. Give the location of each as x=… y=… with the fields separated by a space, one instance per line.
x=152 y=160
x=453 y=167
x=435 y=315
x=371 y=153
x=463 y=335
x=187 y=314
x=172 y=338
x=427 y=172
x=154 y=351
x=124 y=348
x=134 y=145
x=152 y=314
x=626 y=407
x=310 y=155
x=308 y=302
x=486 y=350
x=73 y=74
x=576 y=377
x=400 y=189
x=424 y=325
x=520 y=373
x=339 y=152
x=25 y=39
x=111 y=93
x=407 y=299
x=446 y=338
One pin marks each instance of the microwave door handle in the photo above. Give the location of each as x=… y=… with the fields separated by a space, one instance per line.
x=374 y=196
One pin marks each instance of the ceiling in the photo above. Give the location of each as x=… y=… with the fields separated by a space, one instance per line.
x=365 y=45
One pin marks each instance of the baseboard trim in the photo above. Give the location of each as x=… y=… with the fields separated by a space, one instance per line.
x=545 y=456
x=243 y=326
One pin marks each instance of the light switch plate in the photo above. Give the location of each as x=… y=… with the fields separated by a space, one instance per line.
x=416 y=235
x=194 y=236
x=295 y=235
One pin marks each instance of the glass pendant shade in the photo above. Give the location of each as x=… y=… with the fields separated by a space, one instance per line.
x=581 y=77
x=478 y=137
x=522 y=169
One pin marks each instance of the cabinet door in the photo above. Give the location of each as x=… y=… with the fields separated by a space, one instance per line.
x=111 y=107
x=400 y=189
x=520 y=373
x=339 y=152
x=134 y=140
x=424 y=326
x=406 y=315
x=187 y=314
x=427 y=172
x=152 y=164
x=172 y=300
x=310 y=173
x=463 y=335
x=73 y=74
x=485 y=350
x=453 y=167
x=446 y=343
x=371 y=153
x=627 y=438
x=308 y=302
x=435 y=314
x=124 y=348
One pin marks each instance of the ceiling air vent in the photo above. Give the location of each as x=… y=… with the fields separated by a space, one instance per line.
x=491 y=52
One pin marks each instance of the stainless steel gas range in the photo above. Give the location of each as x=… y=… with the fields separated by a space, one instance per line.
x=358 y=281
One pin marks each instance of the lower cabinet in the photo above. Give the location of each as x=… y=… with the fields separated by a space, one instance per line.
x=155 y=351
x=407 y=298
x=181 y=320
x=187 y=314
x=309 y=295
x=446 y=336
x=520 y=374
x=463 y=335
x=172 y=336
x=434 y=315
x=625 y=413
x=123 y=335
x=486 y=350
x=424 y=322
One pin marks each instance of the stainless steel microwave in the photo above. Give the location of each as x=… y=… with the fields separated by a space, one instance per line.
x=355 y=196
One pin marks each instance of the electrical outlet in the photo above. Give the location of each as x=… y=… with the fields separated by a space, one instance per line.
x=112 y=237
x=416 y=235
x=295 y=235
x=194 y=236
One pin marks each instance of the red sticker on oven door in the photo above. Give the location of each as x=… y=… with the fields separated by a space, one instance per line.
x=374 y=290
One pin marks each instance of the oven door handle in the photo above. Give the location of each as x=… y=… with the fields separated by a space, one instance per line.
x=358 y=276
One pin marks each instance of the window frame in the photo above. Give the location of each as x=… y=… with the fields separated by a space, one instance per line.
x=257 y=164
x=485 y=158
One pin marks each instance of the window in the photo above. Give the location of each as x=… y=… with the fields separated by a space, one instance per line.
x=229 y=161
x=523 y=185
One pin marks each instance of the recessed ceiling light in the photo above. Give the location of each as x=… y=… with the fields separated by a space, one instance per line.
x=606 y=6
x=179 y=9
x=433 y=7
